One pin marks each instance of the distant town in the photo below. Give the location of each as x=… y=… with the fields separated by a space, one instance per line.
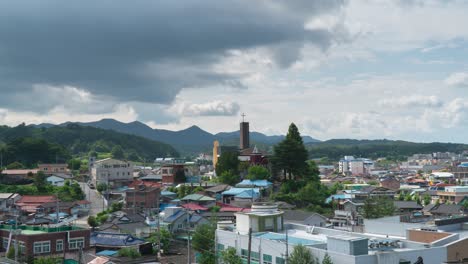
x=234 y=204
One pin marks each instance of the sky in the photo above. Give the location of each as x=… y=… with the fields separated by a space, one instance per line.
x=363 y=69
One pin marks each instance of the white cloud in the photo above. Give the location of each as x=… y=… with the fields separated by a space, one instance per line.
x=459 y=79
x=214 y=108
x=411 y=101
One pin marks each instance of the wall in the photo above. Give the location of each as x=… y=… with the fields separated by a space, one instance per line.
x=425 y=236
x=393 y=226
x=457 y=250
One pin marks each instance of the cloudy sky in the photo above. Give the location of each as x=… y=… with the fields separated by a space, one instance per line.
x=395 y=69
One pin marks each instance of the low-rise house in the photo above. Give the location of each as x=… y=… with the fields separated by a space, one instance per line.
x=115 y=241
x=45 y=241
x=50 y=169
x=445 y=210
x=55 y=180
x=453 y=194
x=8 y=200
x=18 y=176
x=175 y=219
x=216 y=191
x=128 y=222
x=390 y=183
x=35 y=203
x=304 y=218
x=406 y=206
x=198 y=199
x=248 y=195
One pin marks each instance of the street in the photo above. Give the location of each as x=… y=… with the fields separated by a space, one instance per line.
x=97 y=204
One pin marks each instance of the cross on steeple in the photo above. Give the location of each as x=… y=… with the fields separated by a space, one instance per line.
x=243 y=115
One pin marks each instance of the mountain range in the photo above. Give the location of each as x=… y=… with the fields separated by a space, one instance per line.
x=187 y=141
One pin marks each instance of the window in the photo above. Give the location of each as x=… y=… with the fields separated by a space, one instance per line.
x=76 y=243
x=59 y=245
x=267 y=259
x=254 y=256
x=41 y=247
x=269 y=224
x=244 y=253
x=280 y=260
x=5 y=243
x=220 y=247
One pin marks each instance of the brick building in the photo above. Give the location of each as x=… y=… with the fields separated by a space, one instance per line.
x=34 y=241
x=142 y=196
x=50 y=169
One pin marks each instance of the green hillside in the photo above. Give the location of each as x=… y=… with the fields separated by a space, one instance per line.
x=335 y=149
x=30 y=145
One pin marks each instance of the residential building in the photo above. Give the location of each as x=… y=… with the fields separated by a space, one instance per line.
x=390 y=183
x=355 y=166
x=343 y=247
x=55 y=180
x=34 y=203
x=453 y=194
x=50 y=169
x=112 y=172
x=35 y=241
x=8 y=200
x=115 y=241
x=142 y=197
x=263 y=217
x=304 y=218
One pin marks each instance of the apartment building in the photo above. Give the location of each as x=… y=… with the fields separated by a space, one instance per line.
x=115 y=173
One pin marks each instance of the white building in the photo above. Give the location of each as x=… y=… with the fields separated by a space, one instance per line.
x=355 y=166
x=55 y=180
x=113 y=172
x=343 y=247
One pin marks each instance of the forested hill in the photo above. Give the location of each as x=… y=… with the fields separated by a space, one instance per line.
x=335 y=149
x=31 y=145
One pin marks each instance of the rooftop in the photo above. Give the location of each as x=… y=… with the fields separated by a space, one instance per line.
x=34 y=230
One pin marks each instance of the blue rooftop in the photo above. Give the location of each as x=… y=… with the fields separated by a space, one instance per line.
x=236 y=191
x=341 y=196
x=107 y=253
x=174 y=217
x=114 y=239
x=254 y=183
x=247 y=194
x=167 y=193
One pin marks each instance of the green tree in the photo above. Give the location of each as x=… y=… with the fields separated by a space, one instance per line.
x=426 y=199
x=301 y=255
x=15 y=166
x=47 y=260
x=101 y=187
x=116 y=207
x=229 y=256
x=180 y=176
x=258 y=173
x=40 y=181
x=117 y=152
x=228 y=161
x=11 y=252
x=326 y=259
x=164 y=236
x=408 y=197
x=203 y=242
x=92 y=221
x=74 y=164
x=376 y=207
x=290 y=155
x=228 y=177
x=129 y=252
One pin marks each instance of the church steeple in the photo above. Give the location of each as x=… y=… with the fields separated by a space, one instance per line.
x=244 y=134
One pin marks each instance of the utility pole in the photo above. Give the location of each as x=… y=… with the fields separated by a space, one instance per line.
x=158 y=228
x=188 y=237
x=16 y=236
x=287 y=246
x=250 y=246
x=57 y=210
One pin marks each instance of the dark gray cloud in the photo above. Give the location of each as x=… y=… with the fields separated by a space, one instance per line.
x=143 y=51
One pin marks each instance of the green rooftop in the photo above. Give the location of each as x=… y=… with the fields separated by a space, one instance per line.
x=34 y=230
